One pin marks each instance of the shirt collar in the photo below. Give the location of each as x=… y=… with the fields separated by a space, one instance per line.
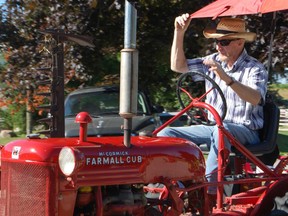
x=236 y=64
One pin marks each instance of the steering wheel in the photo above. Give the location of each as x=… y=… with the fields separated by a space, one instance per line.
x=188 y=90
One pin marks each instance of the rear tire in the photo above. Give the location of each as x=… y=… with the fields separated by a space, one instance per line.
x=275 y=201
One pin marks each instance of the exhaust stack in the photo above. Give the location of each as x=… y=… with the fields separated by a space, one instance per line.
x=129 y=72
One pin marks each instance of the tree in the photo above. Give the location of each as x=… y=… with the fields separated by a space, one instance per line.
x=24 y=46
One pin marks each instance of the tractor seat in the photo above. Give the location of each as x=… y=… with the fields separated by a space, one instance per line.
x=269 y=132
x=267 y=149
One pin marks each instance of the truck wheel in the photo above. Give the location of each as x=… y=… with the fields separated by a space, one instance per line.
x=150 y=211
x=188 y=91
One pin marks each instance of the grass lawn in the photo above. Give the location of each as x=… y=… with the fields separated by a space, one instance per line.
x=4 y=141
x=282 y=90
x=282 y=141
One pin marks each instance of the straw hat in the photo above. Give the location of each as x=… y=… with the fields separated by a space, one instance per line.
x=229 y=28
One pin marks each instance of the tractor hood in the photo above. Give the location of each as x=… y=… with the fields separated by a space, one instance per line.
x=106 y=159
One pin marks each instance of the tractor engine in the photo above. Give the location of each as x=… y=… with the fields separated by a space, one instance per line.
x=116 y=200
x=135 y=199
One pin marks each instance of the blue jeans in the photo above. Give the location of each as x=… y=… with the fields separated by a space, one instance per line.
x=200 y=134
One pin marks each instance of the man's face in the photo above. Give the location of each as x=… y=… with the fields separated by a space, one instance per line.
x=229 y=49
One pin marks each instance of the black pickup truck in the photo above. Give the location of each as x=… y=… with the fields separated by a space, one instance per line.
x=102 y=103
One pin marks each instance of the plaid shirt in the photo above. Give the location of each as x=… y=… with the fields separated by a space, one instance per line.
x=246 y=70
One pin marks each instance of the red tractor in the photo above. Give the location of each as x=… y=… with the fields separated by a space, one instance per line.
x=150 y=176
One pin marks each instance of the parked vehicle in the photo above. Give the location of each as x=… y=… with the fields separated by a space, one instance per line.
x=102 y=103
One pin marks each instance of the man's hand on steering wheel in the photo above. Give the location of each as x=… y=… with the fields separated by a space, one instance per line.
x=216 y=68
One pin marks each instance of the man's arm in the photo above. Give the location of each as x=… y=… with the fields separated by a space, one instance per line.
x=246 y=93
x=178 y=58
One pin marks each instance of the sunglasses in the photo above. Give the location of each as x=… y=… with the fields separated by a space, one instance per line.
x=224 y=42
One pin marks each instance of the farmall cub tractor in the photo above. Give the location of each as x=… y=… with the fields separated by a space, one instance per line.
x=144 y=175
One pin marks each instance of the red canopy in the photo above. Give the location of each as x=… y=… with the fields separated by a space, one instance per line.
x=273 y=5
x=239 y=7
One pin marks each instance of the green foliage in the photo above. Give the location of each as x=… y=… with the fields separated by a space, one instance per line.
x=22 y=42
x=14 y=118
x=7 y=120
x=279 y=86
x=18 y=119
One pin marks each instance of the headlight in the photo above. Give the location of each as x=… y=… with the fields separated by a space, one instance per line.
x=69 y=160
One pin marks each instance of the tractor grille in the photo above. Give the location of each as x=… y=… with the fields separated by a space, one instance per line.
x=27 y=189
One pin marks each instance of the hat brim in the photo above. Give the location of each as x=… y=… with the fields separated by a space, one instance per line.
x=211 y=33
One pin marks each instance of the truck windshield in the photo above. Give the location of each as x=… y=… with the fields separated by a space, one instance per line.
x=98 y=103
